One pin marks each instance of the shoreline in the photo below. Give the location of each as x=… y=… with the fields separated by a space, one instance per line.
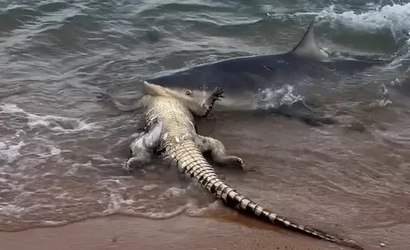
x=180 y=232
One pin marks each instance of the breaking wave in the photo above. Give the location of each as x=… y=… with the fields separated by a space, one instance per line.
x=388 y=27
x=388 y=22
x=395 y=17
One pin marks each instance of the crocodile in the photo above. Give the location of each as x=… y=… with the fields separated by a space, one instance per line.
x=170 y=130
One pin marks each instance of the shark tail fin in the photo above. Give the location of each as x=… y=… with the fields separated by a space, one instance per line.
x=308 y=47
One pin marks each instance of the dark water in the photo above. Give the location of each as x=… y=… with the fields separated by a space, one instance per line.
x=61 y=150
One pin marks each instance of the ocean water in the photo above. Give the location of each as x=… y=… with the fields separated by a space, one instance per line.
x=61 y=149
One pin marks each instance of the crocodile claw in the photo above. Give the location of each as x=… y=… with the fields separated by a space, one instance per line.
x=217 y=94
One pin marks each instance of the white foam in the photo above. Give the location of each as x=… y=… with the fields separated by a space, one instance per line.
x=76 y=166
x=50 y=150
x=10 y=153
x=395 y=17
x=53 y=122
x=149 y=187
x=158 y=215
x=381 y=103
x=167 y=215
x=116 y=204
x=54 y=151
x=173 y=192
x=10 y=209
x=199 y=212
x=54 y=223
x=273 y=98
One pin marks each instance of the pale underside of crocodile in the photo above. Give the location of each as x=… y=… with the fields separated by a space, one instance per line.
x=170 y=130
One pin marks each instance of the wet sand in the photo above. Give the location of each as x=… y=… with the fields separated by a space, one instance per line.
x=181 y=232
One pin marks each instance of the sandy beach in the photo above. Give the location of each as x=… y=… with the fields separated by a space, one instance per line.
x=62 y=145
x=182 y=232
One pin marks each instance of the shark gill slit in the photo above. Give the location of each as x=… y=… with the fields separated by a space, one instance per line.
x=191 y=162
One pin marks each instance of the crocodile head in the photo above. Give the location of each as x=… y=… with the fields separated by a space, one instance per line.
x=198 y=102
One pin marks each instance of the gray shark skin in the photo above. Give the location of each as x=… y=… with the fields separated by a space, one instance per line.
x=243 y=77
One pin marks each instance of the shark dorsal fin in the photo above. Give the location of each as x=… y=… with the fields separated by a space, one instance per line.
x=307 y=46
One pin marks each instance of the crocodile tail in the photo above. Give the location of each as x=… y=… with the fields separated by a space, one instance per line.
x=239 y=202
x=191 y=162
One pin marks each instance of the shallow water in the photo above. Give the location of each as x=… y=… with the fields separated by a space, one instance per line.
x=61 y=149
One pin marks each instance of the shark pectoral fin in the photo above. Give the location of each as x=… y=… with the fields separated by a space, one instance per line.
x=308 y=47
x=304 y=112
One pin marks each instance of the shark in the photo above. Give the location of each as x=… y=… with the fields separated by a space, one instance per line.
x=245 y=79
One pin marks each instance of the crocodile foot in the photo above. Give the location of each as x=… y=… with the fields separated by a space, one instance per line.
x=232 y=161
x=237 y=162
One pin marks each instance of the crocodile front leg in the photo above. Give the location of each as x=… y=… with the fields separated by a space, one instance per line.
x=208 y=103
x=218 y=152
x=142 y=148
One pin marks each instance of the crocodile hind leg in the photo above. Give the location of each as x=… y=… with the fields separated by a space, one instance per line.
x=218 y=152
x=142 y=148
